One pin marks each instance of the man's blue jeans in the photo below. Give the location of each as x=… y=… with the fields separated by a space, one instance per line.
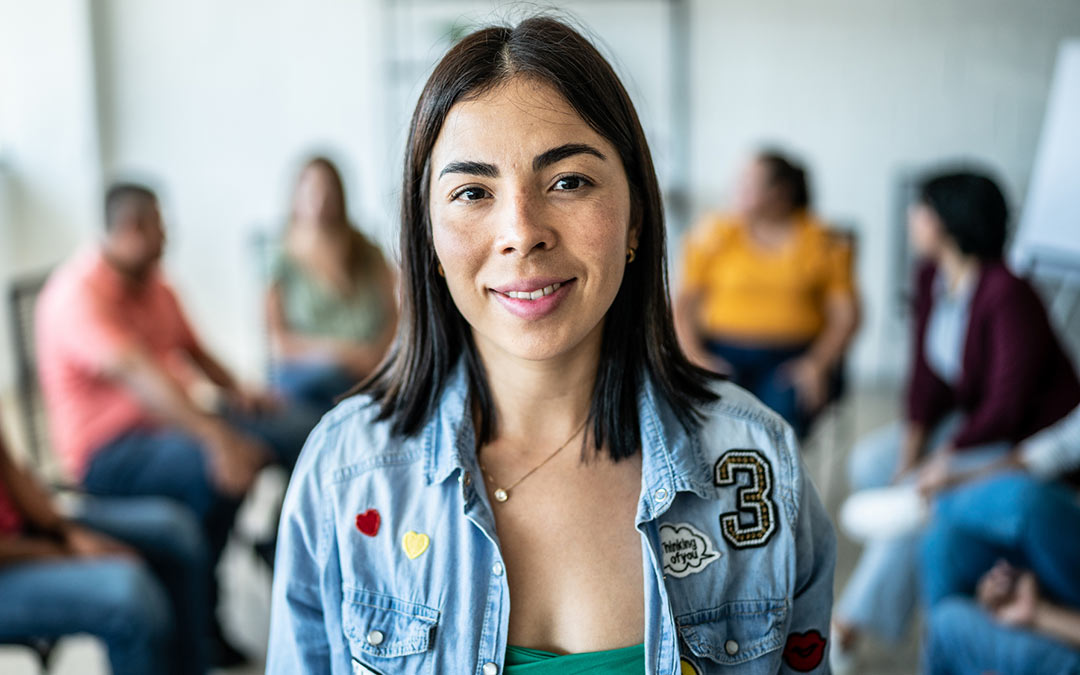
x=152 y=613
x=171 y=463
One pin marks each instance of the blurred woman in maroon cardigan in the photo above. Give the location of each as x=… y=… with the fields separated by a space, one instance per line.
x=987 y=371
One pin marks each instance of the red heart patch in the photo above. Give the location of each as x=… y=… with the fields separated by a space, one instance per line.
x=804 y=651
x=368 y=522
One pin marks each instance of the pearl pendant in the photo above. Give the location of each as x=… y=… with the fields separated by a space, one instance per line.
x=501 y=495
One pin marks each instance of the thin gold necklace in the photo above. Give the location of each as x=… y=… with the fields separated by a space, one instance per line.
x=502 y=494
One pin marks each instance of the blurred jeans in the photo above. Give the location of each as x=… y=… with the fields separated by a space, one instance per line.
x=151 y=613
x=171 y=463
x=1033 y=524
x=882 y=593
x=963 y=639
x=313 y=383
x=758 y=370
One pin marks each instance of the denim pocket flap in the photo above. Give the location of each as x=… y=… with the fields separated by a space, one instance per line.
x=735 y=632
x=385 y=626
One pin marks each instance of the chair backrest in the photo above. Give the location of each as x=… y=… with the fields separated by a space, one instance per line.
x=22 y=300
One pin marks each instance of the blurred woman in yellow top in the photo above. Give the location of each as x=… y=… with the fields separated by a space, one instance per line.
x=767 y=294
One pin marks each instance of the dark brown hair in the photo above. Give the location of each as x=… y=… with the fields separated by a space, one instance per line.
x=972 y=208
x=788 y=176
x=360 y=248
x=638 y=338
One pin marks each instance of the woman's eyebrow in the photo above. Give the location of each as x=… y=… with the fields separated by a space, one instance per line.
x=549 y=157
x=474 y=168
x=543 y=160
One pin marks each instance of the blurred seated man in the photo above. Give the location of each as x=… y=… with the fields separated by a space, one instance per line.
x=767 y=294
x=1015 y=524
x=113 y=347
x=59 y=577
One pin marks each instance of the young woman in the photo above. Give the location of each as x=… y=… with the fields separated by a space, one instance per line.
x=331 y=306
x=537 y=480
x=988 y=371
x=767 y=294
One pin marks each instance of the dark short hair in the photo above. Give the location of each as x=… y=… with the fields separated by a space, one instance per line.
x=120 y=193
x=638 y=337
x=787 y=175
x=972 y=209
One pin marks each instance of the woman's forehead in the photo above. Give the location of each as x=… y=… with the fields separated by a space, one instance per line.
x=515 y=120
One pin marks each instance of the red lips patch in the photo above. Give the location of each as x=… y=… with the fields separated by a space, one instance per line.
x=804 y=651
x=368 y=522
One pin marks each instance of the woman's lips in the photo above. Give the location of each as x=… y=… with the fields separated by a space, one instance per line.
x=533 y=298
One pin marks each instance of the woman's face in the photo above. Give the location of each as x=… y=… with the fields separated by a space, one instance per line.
x=530 y=216
x=925 y=231
x=754 y=195
x=315 y=201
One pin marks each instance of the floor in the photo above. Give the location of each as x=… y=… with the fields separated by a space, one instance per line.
x=247 y=585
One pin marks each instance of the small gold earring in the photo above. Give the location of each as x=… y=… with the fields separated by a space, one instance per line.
x=442 y=272
x=630 y=255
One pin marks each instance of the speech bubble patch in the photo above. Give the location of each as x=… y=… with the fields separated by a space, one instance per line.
x=686 y=549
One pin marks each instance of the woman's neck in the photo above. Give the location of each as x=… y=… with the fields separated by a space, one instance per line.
x=539 y=404
x=958 y=269
x=772 y=230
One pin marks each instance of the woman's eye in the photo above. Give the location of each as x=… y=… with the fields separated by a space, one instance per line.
x=571 y=183
x=470 y=194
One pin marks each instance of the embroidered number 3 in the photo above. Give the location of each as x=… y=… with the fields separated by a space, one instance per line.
x=753 y=499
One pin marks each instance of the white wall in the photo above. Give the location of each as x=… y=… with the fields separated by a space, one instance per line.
x=215 y=101
x=50 y=178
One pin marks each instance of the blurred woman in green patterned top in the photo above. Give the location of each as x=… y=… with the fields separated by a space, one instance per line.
x=331 y=305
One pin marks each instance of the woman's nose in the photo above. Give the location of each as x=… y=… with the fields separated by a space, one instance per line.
x=524 y=225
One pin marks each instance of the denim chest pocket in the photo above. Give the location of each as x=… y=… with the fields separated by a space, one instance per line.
x=387 y=634
x=734 y=633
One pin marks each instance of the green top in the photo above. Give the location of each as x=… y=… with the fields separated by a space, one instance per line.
x=624 y=661
x=312 y=308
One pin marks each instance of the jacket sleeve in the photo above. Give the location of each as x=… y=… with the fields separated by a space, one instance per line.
x=1017 y=339
x=815 y=559
x=305 y=631
x=928 y=397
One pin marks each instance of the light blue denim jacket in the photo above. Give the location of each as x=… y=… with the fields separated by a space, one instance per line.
x=388 y=560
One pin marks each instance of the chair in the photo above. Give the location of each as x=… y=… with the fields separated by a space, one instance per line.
x=836 y=412
x=22 y=300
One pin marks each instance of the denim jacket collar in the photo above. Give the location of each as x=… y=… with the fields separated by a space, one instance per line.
x=672 y=460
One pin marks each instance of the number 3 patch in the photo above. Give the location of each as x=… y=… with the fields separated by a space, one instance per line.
x=753 y=499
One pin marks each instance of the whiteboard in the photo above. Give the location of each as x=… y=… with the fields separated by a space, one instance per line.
x=1049 y=229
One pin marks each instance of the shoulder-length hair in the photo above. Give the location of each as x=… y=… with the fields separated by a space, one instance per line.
x=638 y=336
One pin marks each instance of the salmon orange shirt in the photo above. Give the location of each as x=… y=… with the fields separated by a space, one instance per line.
x=757 y=294
x=87 y=314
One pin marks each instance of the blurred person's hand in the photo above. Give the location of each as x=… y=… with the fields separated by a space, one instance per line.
x=252 y=401
x=811 y=382
x=935 y=474
x=1010 y=594
x=235 y=459
x=83 y=542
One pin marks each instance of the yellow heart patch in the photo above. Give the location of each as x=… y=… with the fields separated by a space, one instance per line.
x=414 y=544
